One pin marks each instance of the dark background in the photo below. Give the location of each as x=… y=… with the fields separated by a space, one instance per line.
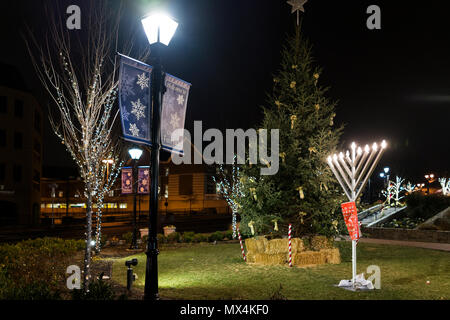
x=392 y=83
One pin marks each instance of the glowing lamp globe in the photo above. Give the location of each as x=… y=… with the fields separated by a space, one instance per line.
x=135 y=153
x=159 y=27
x=386 y=170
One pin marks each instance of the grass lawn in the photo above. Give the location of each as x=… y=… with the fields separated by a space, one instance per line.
x=207 y=271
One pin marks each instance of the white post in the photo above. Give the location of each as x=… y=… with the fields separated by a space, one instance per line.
x=353 y=262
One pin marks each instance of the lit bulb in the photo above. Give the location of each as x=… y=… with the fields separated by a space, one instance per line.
x=335 y=156
x=374 y=146
x=367 y=148
x=383 y=144
x=341 y=155
x=359 y=151
x=353 y=145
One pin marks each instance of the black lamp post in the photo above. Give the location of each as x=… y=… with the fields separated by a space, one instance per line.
x=159 y=30
x=135 y=154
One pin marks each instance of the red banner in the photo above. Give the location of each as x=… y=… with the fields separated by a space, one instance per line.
x=127 y=180
x=351 y=219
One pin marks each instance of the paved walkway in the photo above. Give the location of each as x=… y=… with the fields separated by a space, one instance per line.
x=425 y=245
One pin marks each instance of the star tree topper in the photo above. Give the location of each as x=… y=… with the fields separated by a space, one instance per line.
x=297 y=5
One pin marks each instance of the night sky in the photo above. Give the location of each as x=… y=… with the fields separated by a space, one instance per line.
x=392 y=83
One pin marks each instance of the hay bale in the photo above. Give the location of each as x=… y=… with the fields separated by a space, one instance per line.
x=332 y=255
x=270 y=259
x=250 y=257
x=307 y=258
x=256 y=245
x=320 y=242
x=282 y=246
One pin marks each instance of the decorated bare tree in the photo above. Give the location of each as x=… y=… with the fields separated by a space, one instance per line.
x=229 y=182
x=410 y=188
x=445 y=184
x=79 y=72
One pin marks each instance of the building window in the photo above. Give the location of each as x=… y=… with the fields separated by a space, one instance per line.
x=185 y=184
x=37 y=146
x=122 y=205
x=2 y=138
x=36 y=176
x=18 y=140
x=3 y=104
x=17 y=173
x=37 y=121
x=61 y=194
x=2 y=171
x=210 y=185
x=18 y=109
x=111 y=193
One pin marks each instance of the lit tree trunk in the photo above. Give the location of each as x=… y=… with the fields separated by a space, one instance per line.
x=87 y=253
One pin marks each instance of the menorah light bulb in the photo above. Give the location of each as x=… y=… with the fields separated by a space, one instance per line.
x=359 y=151
x=383 y=144
x=367 y=148
x=341 y=155
x=335 y=156
x=353 y=145
x=374 y=146
x=329 y=159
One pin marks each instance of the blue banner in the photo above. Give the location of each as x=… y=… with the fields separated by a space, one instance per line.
x=135 y=100
x=173 y=113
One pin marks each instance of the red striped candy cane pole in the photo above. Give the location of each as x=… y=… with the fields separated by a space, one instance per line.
x=290 y=252
x=242 y=247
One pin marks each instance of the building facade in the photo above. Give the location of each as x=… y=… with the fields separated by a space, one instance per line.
x=183 y=189
x=21 y=131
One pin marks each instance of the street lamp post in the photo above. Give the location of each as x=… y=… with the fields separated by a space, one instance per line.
x=159 y=29
x=430 y=180
x=135 y=154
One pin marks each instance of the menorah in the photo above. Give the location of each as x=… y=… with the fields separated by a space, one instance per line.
x=352 y=171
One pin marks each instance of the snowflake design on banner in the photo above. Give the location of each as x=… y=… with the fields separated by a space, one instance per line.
x=125 y=114
x=142 y=81
x=174 y=119
x=127 y=85
x=134 y=130
x=180 y=99
x=138 y=109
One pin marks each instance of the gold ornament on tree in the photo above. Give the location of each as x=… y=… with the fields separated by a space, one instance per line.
x=275 y=221
x=293 y=84
x=252 y=230
x=293 y=118
x=283 y=156
x=300 y=192
x=253 y=191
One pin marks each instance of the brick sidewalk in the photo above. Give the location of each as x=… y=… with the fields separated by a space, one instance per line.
x=425 y=245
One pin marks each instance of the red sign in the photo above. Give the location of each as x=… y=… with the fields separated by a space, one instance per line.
x=127 y=180
x=351 y=219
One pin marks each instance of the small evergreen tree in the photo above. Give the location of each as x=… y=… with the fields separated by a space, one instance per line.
x=304 y=191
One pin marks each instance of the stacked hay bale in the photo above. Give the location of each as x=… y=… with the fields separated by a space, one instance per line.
x=275 y=252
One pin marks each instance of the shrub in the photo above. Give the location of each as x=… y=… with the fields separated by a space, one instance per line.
x=98 y=290
x=216 y=236
x=425 y=206
x=127 y=237
x=34 y=269
x=174 y=237
x=228 y=234
x=200 y=237
x=188 y=236
x=161 y=238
